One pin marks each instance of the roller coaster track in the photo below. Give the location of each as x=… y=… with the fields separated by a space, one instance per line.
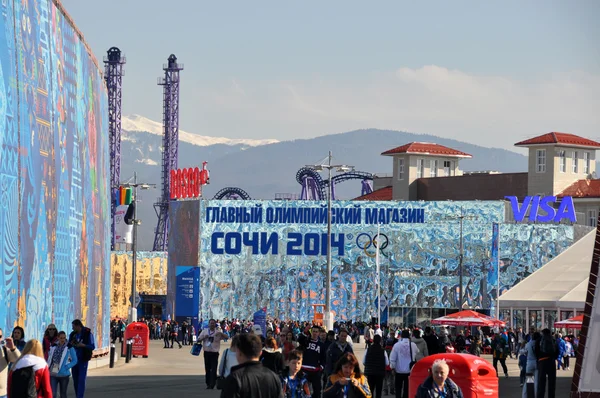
x=232 y=193
x=315 y=188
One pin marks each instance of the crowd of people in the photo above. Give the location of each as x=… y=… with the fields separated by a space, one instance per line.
x=313 y=362
x=300 y=360
x=43 y=368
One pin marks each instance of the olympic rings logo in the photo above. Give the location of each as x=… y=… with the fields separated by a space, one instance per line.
x=379 y=241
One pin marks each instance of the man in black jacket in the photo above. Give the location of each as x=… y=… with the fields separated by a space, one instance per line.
x=336 y=350
x=250 y=378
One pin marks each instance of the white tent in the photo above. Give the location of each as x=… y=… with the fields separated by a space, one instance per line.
x=560 y=284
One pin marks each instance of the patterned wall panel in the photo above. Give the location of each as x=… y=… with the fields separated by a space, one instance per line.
x=419 y=261
x=54 y=234
x=151 y=278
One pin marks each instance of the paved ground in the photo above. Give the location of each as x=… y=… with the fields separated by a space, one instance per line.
x=177 y=373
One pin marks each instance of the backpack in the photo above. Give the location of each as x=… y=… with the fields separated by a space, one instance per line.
x=23 y=383
x=547 y=346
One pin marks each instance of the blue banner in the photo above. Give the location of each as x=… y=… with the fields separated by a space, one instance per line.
x=260 y=319
x=187 y=298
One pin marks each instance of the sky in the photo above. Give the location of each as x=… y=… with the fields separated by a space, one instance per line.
x=490 y=73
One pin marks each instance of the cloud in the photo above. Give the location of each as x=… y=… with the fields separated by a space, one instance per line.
x=486 y=110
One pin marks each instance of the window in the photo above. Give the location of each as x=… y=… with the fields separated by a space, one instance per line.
x=575 y=159
x=420 y=168
x=541 y=160
x=400 y=169
x=433 y=166
x=592 y=217
x=586 y=163
x=447 y=168
x=562 y=161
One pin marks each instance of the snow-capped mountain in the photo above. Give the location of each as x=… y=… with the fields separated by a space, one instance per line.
x=139 y=123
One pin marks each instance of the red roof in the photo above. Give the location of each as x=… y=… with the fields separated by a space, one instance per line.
x=426 y=148
x=380 y=194
x=582 y=189
x=559 y=138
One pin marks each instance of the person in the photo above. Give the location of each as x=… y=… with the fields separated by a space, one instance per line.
x=211 y=344
x=421 y=345
x=50 y=338
x=347 y=380
x=289 y=345
x=9 y=354
x=546 y=352
x=568 y=353
x=500 y=351
x=475 y=348
x=375 y=361
x=369 y=335
x=250 y=378
x=60 y=360
x=560 y=343
x=30 y=372
x=336 y=350
x=18 y=336
x=82 y=339
x=167 y=334
x=313 y=361
x=295 y=384
x=174 y=334
x=431 y=340
x=522 y=362
x=403 y=353
x=271 y=356
x=389 y=382
x=531 y=367
x=229 y=359
x=439 y=385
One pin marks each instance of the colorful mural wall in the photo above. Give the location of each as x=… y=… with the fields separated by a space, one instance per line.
x=54 y=165
x=151 y=278
x=256 y=254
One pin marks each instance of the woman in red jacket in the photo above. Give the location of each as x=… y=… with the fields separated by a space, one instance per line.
x=30 y=368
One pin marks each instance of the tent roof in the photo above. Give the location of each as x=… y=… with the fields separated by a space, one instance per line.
x=562 y=282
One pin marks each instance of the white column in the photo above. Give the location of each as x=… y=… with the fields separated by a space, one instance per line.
x=543 y=319
x=527 y=320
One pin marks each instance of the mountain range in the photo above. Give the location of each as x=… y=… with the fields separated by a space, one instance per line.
x=264 y=168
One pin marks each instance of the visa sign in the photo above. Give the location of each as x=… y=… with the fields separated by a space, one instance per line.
x=535 y=204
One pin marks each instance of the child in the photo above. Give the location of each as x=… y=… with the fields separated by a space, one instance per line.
x=295 y=384
x=522 y=362
x=568 y=353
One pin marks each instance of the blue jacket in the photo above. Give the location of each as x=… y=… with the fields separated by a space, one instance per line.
x=68 y=359
x=86 y=337
x=562 y=348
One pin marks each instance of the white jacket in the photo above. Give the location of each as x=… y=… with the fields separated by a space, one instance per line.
x=400 y=358
x=12 y=358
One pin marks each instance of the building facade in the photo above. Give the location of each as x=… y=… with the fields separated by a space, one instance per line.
x=54 y=170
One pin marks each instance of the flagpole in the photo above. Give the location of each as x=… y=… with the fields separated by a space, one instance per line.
x=378 y=277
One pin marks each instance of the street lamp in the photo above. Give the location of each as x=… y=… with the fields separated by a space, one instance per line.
x=143 y=186
x=342 y=168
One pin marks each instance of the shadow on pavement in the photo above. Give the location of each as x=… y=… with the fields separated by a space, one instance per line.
x=148 y=387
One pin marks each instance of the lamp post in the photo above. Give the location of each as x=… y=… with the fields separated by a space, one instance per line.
x=340 y=168
x=136 y=222
x=461 y=218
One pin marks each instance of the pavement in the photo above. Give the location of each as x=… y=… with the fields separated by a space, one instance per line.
x=175 y=372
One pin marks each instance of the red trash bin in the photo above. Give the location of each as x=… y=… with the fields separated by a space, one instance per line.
x=474 y=375
x=140 y=334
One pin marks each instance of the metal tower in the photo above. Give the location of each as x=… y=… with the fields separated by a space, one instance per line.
x=170 y=85
x=113 y=75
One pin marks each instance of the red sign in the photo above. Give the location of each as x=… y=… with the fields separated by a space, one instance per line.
x=187 y=183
